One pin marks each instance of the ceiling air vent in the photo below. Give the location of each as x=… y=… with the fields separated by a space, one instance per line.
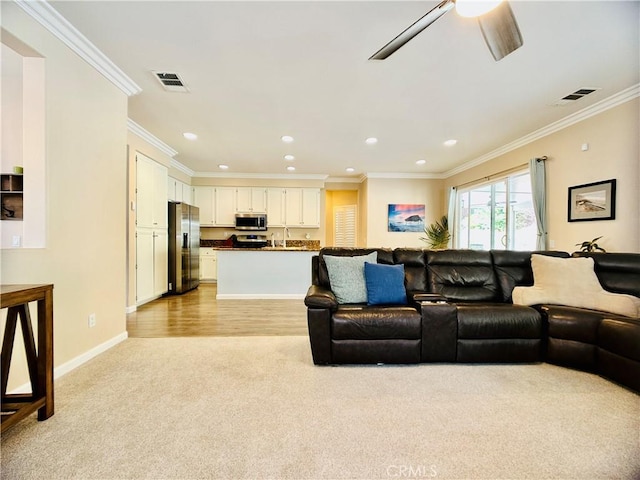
x=171 y=82
x=572 y=97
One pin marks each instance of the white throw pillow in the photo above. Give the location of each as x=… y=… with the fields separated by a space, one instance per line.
x=346 y=275
x=572 y=282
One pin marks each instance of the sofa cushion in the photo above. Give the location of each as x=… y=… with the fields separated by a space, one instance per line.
x=346 y=275
x=571 y=323
x=462 y=275
x=572 y=282
x=385 y=284
x=620 y=336
x=415 y=268
x=352 y=322
x=498 y=321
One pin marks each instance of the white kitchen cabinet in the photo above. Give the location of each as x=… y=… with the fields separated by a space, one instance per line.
x=151 y=193
x=251 y=199
x=179 y=191
x=225 y=206
x=187 y=193
x=275 y=207
x=302 y=207
x=217 y=206
x=171 y=189
x=208 y=265
x=151 y=264
x=204 y=199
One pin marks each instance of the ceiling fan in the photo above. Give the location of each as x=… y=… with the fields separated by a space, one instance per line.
x=497 y=23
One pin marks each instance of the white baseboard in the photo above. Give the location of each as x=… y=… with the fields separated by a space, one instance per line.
x=79 y=360
x=260 y=296
x=130 y=309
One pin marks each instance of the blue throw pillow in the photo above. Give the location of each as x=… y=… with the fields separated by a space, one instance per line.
x=385 y=284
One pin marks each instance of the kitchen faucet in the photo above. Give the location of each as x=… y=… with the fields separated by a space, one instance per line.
x=285 y=233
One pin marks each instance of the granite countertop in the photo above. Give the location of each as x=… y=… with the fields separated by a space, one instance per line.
x=292 y=246
x=267 y=249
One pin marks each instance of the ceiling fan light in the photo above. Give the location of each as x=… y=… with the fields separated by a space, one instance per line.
x=475 y=8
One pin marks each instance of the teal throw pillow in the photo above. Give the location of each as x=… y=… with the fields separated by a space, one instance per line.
x=385 y=284
x=346 y=275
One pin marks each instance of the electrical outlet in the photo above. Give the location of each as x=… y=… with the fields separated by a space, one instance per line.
x=92 y=320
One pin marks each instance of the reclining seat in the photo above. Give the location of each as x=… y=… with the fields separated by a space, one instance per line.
x=475 y=325
x=358 y=333
x=598 y=341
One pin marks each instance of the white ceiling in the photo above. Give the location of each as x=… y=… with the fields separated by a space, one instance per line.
x=260 y=70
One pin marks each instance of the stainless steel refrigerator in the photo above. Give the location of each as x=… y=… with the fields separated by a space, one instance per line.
x=184 y=247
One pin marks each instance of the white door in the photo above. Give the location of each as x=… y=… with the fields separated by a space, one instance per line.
x=160 y=262
x=225 y=206
x=275 y=207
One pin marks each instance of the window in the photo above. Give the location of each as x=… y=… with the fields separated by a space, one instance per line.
x=345 y=221
x=497 y=215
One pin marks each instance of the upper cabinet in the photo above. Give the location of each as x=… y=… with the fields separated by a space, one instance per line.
x=251 y=199
x=217 y=206
x=151 y=193
x=291 y=207
x=275 y=206
x=302 y=207
x=178 y=191
x=225 y=206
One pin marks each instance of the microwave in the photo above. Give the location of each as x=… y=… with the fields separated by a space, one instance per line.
x=251 y=221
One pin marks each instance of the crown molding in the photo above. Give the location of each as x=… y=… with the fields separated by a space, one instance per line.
x=595 y=109
x=345 y=179
x=183 y=168
x=261 y=176
x=408 y=176
x=60 y=27
x=151 y=139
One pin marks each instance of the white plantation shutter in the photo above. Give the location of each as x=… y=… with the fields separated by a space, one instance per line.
x=345 y=222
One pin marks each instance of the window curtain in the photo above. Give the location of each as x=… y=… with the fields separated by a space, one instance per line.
x=539 y=196
x=451 y=214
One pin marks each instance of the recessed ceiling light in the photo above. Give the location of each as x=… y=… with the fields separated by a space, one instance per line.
x=350 y=169
x=190 y=136
x=421 y=162
x=371 y=141
x=451 y=142
x=291 y=168
x=223 y=167
x=287 y=138
x=289 y=157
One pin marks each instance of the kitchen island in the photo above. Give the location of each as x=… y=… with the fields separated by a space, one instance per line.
x=264 y=273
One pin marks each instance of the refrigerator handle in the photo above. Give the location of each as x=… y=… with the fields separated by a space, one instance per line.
x=185 y=240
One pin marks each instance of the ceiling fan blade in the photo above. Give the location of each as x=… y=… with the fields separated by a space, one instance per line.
x=500 y=31
x=413 y=30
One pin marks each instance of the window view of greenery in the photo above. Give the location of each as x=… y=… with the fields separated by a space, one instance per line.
x=497 y=216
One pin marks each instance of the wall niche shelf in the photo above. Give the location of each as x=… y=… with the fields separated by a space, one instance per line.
x=11 y=186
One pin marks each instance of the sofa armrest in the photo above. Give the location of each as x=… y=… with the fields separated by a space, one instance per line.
x=320 y=297
x=439 y=332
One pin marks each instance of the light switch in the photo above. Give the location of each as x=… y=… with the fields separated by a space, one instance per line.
x=16 y=241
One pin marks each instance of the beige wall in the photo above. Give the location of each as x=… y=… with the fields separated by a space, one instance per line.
x=382 y=192
x=85 y=136
x=613 y=153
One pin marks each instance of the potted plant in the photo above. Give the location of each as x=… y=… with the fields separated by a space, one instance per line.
x=591 y=246
x=437 y=234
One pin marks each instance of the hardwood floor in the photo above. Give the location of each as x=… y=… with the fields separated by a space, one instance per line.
x=198 y=314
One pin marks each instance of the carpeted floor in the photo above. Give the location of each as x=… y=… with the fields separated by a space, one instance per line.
x=256 y=407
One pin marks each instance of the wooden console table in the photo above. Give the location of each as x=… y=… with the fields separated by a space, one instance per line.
x=16 y=298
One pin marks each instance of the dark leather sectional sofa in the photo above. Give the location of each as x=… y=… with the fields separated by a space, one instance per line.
x=478 y=321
